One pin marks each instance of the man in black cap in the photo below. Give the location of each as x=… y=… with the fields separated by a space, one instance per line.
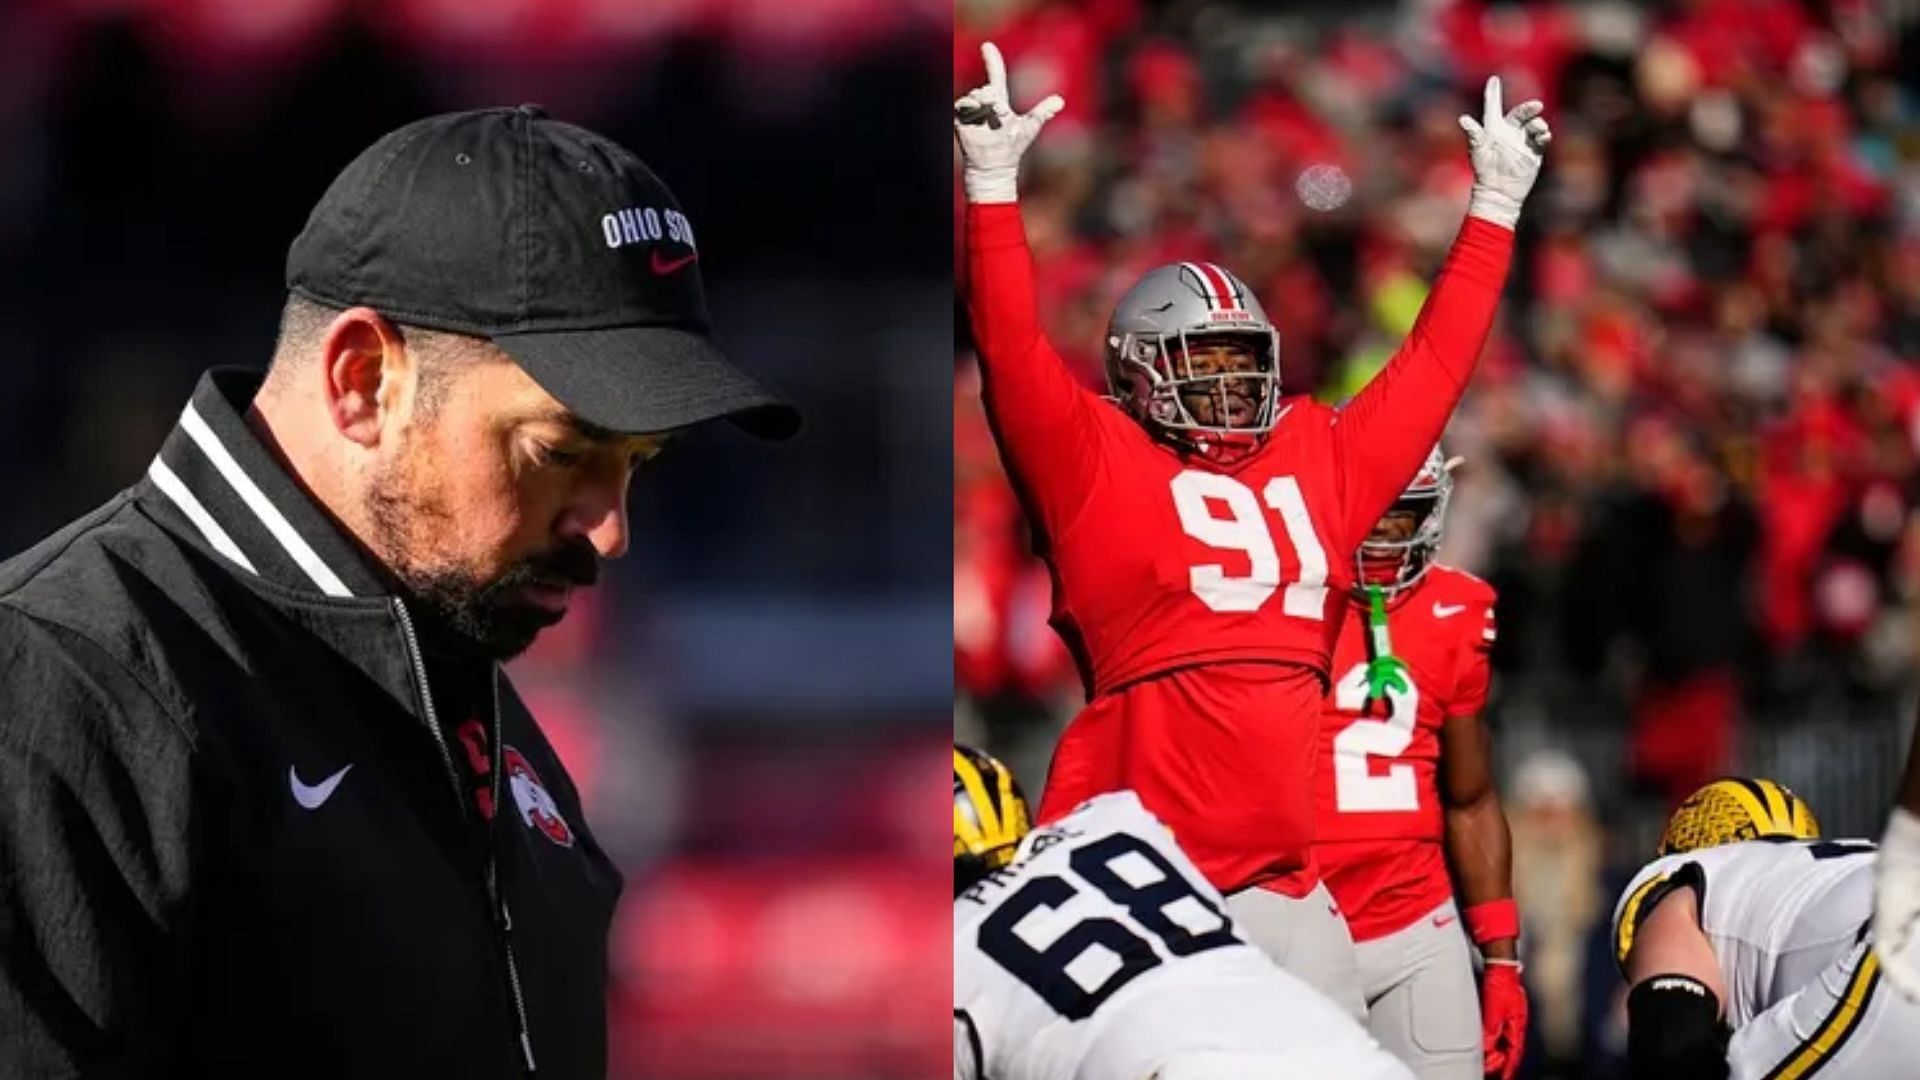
x=267 y=805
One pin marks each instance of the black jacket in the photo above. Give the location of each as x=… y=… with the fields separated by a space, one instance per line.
x=189 y=883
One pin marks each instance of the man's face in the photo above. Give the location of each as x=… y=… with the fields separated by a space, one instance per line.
x=495 y=503
x=1221 y=402
x=1396 y=526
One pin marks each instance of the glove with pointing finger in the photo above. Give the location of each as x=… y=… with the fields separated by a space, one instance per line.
x=993 y=137
x=1506 y=148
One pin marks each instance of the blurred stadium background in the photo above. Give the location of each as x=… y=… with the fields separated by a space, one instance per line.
x=1693 y=447
x=754 y=702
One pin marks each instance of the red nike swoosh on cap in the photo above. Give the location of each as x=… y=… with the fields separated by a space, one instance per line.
x=668 y=266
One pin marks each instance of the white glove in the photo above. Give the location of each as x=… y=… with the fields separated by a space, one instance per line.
x=1506 y=149
x=993 y=136
x=1896 y=901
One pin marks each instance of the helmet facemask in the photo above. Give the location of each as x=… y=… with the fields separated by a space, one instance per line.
x=1394 y=564
x=1187 y=386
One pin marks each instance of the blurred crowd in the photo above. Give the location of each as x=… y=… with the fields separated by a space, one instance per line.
x=1693 y=444
x=782 y=616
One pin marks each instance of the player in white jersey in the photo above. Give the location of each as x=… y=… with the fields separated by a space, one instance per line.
x=1093 y=949
x=1747 y=948
x=1896 y=897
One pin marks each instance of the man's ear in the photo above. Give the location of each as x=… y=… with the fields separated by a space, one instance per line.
x=364 y=360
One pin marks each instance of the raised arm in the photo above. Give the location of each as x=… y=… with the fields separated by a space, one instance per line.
x=1390 y=425
x=1043 y=419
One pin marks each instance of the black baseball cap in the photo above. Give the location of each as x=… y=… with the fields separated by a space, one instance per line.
x=556 y=244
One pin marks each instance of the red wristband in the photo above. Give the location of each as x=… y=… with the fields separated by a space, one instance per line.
x=1494 y=920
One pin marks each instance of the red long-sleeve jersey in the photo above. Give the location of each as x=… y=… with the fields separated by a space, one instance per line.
x=1166 y=562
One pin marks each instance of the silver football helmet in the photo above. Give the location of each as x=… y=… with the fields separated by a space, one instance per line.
x=1394 y=565
x=1149 y=369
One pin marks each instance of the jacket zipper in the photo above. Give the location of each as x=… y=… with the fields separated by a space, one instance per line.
x=503 y=920
x=493 y=877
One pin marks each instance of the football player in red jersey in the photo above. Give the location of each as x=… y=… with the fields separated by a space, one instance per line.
x=1405 y=786
x=1201 y=529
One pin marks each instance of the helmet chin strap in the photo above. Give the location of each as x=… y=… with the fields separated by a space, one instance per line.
x=1221 y=449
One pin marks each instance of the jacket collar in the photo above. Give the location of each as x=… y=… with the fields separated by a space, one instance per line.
x=241 y=503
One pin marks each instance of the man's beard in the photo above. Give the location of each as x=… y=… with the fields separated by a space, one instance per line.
x=464 y=612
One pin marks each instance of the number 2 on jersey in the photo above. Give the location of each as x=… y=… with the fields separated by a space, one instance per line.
x=1355 y=788
x=1245 y=530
